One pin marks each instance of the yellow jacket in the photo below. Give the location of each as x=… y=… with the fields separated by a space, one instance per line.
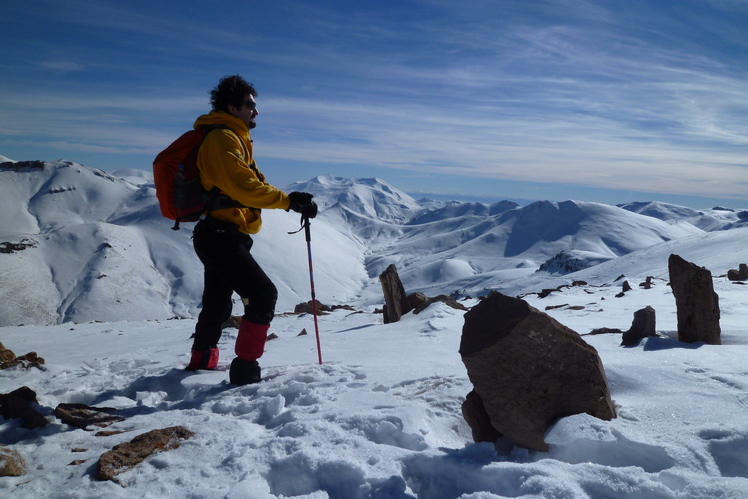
x=225 y=160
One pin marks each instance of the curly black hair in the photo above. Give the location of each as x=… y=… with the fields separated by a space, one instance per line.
x=231 y=90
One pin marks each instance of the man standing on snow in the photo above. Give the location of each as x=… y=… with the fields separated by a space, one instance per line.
x=222 y=239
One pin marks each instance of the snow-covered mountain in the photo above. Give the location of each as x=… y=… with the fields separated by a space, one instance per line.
x=95 y=246
x=717 y=218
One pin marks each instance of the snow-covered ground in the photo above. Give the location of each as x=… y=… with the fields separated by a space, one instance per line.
x=381 y=416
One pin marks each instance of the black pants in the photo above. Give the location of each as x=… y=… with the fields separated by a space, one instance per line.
x=229 y=268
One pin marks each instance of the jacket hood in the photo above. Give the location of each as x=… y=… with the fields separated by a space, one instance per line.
x=222 y=118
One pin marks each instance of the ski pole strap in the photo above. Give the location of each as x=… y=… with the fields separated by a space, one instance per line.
x=305 y=227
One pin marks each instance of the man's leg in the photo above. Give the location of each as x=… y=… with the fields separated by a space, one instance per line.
x=261 y=295
x=216 y=301
x=216 y=310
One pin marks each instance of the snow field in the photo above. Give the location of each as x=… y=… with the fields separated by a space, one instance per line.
x=381 y=416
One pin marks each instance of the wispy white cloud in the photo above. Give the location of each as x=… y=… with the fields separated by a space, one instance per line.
x=569 y=91
x=61 y=65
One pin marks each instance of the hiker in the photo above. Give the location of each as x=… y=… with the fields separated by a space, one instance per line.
x=222 y=238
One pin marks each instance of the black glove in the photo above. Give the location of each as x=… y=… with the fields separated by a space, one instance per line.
x=310 y=210
x=299 y=200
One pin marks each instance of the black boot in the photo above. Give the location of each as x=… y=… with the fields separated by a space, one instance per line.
x=244 y=372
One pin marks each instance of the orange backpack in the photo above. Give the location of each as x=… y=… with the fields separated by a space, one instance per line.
x=180 y=194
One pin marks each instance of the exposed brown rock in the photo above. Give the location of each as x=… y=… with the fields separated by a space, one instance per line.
x=108 y=433
x=6 y=355
x=696 y=302
x=395 y=301
x=11 y=462
x=307 y=308
x=8 y=359
x=126 y=456
x=529 y=369
x=418 y=302
x=82 y=416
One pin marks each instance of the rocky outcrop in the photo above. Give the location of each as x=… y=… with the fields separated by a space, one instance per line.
x=22 y=403
x=418 y=302
x=741 y=274
x=529 y=370
x=395 y=301
x=647 y=284
x=696 y=302
x=308 y=308
x=126 y=456
x=642 y=326
x=8 y=359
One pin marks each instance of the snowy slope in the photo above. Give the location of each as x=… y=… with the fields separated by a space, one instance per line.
x=471 y=253
x=102 y=251
x=381 y=417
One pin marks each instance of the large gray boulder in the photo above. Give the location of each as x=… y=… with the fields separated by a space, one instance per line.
x=696 y=302
x=529 y=370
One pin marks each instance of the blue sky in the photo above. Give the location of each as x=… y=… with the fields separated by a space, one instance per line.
x=608 y=101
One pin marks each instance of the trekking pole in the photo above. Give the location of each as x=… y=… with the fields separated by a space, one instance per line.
x=308 y=234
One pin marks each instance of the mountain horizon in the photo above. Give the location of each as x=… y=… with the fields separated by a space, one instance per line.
x=95 y=247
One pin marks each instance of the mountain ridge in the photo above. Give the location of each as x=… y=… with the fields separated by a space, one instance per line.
x=101 y=250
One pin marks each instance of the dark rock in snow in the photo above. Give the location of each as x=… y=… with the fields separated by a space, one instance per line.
x=643 y=326
x=478 y=419
x=81 y=415
x=696 y=302
x=395 y=301
x=741 y=274
x=647 y=284
x=21 y=404
x=418 y=302
x=308 y=308
x=529 y=370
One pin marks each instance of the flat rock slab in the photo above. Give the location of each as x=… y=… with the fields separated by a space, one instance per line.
x=83 y=416
x=126 y=456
